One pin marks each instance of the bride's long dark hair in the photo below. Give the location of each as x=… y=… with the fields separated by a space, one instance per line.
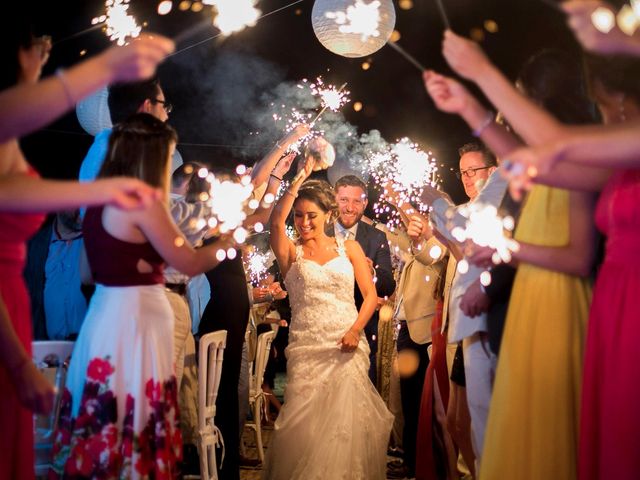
x=321 y=193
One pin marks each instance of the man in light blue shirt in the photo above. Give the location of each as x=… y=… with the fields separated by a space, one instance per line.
x=125 y=100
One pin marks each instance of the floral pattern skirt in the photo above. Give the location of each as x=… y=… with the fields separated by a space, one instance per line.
x=119 y=414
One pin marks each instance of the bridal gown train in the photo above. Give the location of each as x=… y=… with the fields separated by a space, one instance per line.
x=333 y=424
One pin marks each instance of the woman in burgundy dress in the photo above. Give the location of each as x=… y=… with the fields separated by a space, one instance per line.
x=119 y=415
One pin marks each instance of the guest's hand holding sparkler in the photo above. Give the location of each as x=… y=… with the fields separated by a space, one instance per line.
x=474 y=302
x=464 y=56
x=524 y=164
x=431 y=194
x=609 y=40
x=479 y=256
x=138 y=59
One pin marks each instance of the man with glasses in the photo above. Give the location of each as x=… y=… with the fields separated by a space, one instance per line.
x=485 y=186
x=125 y=99
x=476 y=165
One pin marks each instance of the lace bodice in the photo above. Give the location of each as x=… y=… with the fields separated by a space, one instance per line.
x=321 y=297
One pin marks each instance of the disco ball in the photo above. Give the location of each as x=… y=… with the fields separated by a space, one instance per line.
x=93 y=112
x=355 y=36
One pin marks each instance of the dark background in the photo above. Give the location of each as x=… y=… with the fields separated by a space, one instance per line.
x=283 y=47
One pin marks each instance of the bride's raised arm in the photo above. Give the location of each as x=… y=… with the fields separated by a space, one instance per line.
x=283 y=248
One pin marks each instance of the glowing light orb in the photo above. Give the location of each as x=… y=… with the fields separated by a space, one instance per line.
x=353 y=29
x=408 y=362
x=485 y=278
x=386 y=313
x=603 y=19
x=165 y=7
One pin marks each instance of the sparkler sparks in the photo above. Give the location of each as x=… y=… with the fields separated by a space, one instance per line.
x=256 y=265
x=486 y=228
x=405 y=169
x=234 y=15
x=119 y=24
x=309 y=97
x=359 y=19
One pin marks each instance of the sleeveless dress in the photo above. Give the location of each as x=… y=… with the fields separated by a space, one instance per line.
x=16 y=422
x=532 y=430
x=610 y=417
x=333 y=424
x=119 y=415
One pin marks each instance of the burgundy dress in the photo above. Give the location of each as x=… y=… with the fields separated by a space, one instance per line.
x=16 y=422
x=610 y=416
x=119 y=416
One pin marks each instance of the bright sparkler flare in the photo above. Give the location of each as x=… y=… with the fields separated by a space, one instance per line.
x=256 y=266
x=359 y=19
x=486 y=228
x=119 y=24
x=330 y=97
x=234 y=15
x=405 y=169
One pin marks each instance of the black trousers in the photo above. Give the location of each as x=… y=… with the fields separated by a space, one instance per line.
x=411 y=395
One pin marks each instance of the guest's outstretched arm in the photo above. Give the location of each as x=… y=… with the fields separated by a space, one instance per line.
x=263 y=212
x=451 y=96
x=262 y=169
x=28 y=107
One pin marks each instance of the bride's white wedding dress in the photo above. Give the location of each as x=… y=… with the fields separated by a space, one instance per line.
x=333 y=424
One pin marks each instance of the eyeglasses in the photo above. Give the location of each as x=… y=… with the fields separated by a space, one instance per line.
x=166 y=105
x=469 y=172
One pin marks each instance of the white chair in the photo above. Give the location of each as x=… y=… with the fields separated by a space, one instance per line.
x=256 y=395
x=52 y=359
x=210 y=355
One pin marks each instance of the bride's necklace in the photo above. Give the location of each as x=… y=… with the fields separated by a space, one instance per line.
x=313 y=251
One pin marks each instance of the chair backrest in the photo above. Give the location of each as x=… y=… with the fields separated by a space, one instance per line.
x=52 y=359
x=210 y=356
x=262 y=357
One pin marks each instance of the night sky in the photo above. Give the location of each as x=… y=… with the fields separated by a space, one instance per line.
x=284 y=47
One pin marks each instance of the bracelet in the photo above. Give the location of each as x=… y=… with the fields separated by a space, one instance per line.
x=294 y=195
x=276 y=177
x=357 y=337
x=65 y=85
x=488 y=120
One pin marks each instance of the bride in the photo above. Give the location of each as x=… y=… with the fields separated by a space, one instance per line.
x=333 y=423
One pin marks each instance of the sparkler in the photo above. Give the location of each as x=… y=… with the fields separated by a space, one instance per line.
x=359 y=19
x=119 y=24
x=256 y=265
x=330 y=98
x=486 y=228
x=443 y=14
x=407 y=56
x=405 y=169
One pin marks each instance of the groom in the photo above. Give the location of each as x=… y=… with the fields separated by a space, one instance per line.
x=351 y=197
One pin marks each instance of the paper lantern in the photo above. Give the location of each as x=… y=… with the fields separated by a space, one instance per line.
x=93 y=112
x=353 y=28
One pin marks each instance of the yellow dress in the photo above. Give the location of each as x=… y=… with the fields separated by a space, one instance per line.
x=532 y=430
